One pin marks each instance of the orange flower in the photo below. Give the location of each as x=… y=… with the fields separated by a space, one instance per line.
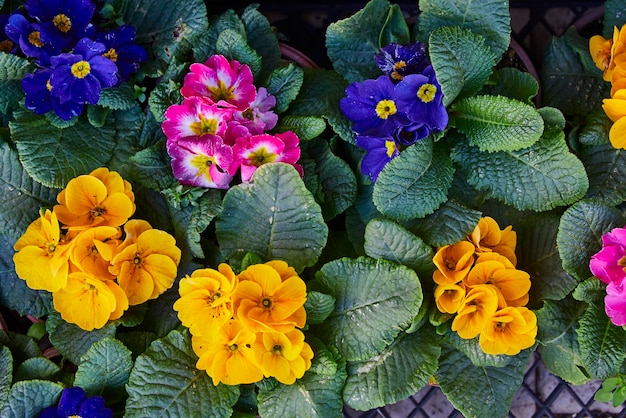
x=283 y=356
x=227 y=355
x=480 y=303
x=607 y=53
x=42 y=257
x=512 y=284
x=453 y=262
x=100 y=198
x=205 y=299
x=488 y=237
x=449 y=297
x=93 y=249
x=509 y=331
x=263 y=302
x=147 y=267
x=615 y=109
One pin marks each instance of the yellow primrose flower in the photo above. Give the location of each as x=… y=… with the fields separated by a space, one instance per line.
x=618 y=80
x=88 y=200
x=42 y=257
x=449 y=297
x=488 y=237
x=509 y=331
x=283 y=356
x=205 y=299
x=263 y=302
x=227 y=355
x=88 y=301
x=605 y=52
x=615 y=107
x=147 y=267
x=282 y=268
x=617 y=134
x=453 y=262
x=480 y=303
x=512 y=284
x=93 y=249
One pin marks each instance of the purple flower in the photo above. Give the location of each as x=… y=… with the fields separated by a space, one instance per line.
x=28 y=36
x=259 y=117
x=80 y=76
x=609 y=263
x=75 y=403
x=379 y=151
x=398 y=61
x=615 y=303
x=411 y=133
x=120 y=47
x=372 y=108
x=38 y=98
x=7 y=45
x=63 y=22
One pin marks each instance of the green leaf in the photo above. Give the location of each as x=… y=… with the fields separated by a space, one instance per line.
x=28 y=398
x=104 y=369
x=480 y=391
x=580 y=233
x=284 y=83
x=352 y=42
x=12 y=69
x=606 y=168
x=136 y=341
x=591 y=291
x=497 y=123
x=262 y=38
x=326 y=360
x=233 y=46
x=6 y=374
x=318 y=307
x=601 y=343
x=541 y=177
x=462 y=61
x=165 y=382
x=72 y=341
x=152 y=167
x=395 y=28
x=37 y=368
x=305 y=127
x=613 y=16
x=384 y=239
x=284 y=221
x=489 y=18
x=134 y=130
x=206 y=209
x=375 y=299
x=118 y=98
x=22 y=347
x=414 y=183
x=164 y=95
x=394 y=375
x=513 y=83
x=596 y=129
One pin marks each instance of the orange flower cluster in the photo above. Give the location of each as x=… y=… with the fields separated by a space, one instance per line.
x=478 y=283
x=609 y=55
x=245 y=327
x=78 y=252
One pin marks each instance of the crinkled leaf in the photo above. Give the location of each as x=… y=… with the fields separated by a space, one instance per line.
x=152 y=167
x=326 y=360
x=97 y=116
x=395 y=28
x=497 y=123
x=22 y=346
x=28 y=398
x=394 y=375
x=613 y=16
x=12 y=70
x=284 y=84
x=164 y=95
x=606 y=168
x=471 y=348
x=318 y=306
x=136 y=341
x=513 y=83
x=233 y=46
x=580 y=232
x=261 y=37
x=37 y=368
x=207 y=208
x=596 y=129
x=591 y=291
x=305 y=127
x=118 y=98
x=462 y=61
x=283 y=220
x=165 y=382
x=414 y=183
x=375 y=299
x=133 y=133
x=6 y=374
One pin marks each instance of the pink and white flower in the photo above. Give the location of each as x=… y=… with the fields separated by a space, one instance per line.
x=609 y=263
x=195 y=117
x=259 y=117
x=261 y=149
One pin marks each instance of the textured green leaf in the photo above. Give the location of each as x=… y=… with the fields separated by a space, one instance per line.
x=613 y=16
x=375 y=299
x=152 y=167
x=513 y=83
x=318 y=306
x=134 y=132
x=136 y=341
x=489 y=18
x=28 y=398
x=6 y=374
x=606 y=168
x=596 y=129
x=165 y=382
x=284 y=83
x=580 y=233
x=462 y=61
x=207 y=208
x=497 y=123
x=233 y=46
x=164 y=95
x=387 y=240
x=284 y=221
x=104 y=369
x=415 y=183
x=118 y=98
x=22 y=346
x=394 y=375
x=395 y=28
x=305 y=127
x=539 y=178
x=37 y=368
x=591 y=291
x=261 y=37
x=326 y=360
x=12 y=70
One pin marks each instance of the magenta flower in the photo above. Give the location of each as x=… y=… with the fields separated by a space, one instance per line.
x=608 y=264
x=259 y=117
x=222 y=82
x=257 y=150
x=201 y=162
x=195 y=117
x=615 y=303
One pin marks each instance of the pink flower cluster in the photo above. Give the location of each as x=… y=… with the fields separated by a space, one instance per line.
x=609 y=265
x=222 y=127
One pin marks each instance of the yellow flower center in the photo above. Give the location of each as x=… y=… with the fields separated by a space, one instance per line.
x=74 y=416
x=221 y=92
x=233 y=347
x=111 y=54
x=216 y=296
x=391 y=148
x=277 y=349
x=81 y=69
x=51 y=247
x=48 y=85
x=203 y=163
x=97 y=211
x=137 y=260
x=6 y=46
x=267 y=303
x=261 y=156
x=427 y=92
x=62 y=22
x=204 y=126
x=500 y=326
x=94 y=250
x=398 y=66
x=386 y=108
x=35 y=39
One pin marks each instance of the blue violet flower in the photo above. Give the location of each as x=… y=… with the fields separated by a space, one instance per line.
x=75 y=403
x=120 y=47
x=39 y=99
x=397 y=60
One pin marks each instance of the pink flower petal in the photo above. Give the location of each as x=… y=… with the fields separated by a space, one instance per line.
x=195 y=117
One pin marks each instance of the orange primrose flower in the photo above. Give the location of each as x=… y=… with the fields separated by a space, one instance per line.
x=512 y=285
x=509 y=331
x=453 y=262
x=487 y=236
x=449 y=297
x=283 y=356
x=93 y=249
x=480 y=303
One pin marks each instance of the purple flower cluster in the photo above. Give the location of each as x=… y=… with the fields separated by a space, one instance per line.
x=75 y=403
x=75 y=60
x=402 y=106
x=609 y=265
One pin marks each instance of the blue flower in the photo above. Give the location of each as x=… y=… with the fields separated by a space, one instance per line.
x=28 y=36
x=398 y=61
x=121 y=48
x=411 y=133
x=371 y=106
x=379 y=151
x=420 y=97
x=75 y=403
x=80 y=76
x=38 y=98
x=6 y=44
x=63 y=22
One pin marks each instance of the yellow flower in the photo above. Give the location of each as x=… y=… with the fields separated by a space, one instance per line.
x=205 y=299
x=512 y=284
x=283 y=356
x=453 y=262
x=480 y=303
x=449 y=297
x=263 y=302
x=509 y=331
x=101 y=198
x=227 y=355
x=617 y=134
x=615 y=109
x=618 y=80
x=147 y=267
x=92 y=250
x=89 y=302
x=488 y=237
x=42 y=257
x=607 y=53
x=282 y=268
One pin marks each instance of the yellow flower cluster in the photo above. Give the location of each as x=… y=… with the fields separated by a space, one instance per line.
x=478 y=283
x=245 y=327
x=78 y=252
x=609 y=55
